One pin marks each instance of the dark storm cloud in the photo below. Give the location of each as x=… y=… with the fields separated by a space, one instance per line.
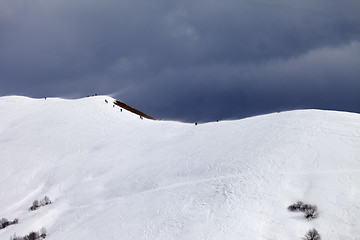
x=190 y=60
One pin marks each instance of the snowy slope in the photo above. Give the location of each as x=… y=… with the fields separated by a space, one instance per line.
x=112 y=175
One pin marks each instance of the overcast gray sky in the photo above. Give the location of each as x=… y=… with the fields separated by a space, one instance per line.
x=189 y=60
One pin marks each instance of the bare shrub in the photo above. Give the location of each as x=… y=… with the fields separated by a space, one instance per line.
x=31 y=235
x=36 y=204
x=295 y=207
x=43 y=232
x=4 y=222
x=312 y=235
x=310 y=211
x=47 y=200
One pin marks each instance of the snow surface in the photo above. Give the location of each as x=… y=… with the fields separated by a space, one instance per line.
x=112 y=175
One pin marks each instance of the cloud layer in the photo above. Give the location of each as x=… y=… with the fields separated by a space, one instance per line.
x=190 y=60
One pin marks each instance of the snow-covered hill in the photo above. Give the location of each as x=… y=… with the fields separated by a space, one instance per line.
x=112 y=175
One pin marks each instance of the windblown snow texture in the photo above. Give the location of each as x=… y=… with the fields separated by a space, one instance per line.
x=112 y=175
